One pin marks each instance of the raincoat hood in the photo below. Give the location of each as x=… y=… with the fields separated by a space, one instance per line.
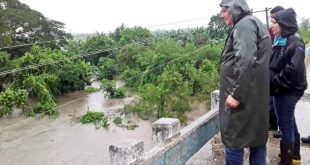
x=287 y=21
x=238 y=8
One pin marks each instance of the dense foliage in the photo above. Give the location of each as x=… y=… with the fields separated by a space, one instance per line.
x=46 y=81
x=217 y=27
x=35 y=72
x=304 y=29
x=19 y=24
x=111 y=90
x=165 y=68
x=168 y=74
x=10 y=99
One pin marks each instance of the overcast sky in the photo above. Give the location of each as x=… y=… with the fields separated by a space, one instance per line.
x=88 y=16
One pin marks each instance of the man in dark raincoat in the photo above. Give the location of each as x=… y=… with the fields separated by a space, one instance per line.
x=244 y=84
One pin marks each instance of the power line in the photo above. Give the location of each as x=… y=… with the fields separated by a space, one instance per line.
x=42 y=42
x=1 y=130
x=35 y=66
x=100 y=51
x=258 y=11
x=146 y=71
x=151 y=26
x=139 y=74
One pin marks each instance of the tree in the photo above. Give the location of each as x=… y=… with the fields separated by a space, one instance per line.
x=135 y=34
x=43 y=83
x=217 y=27
x=5 y=38
x=116 y=35
x=106 y=68
x=110 y=89
x=5 y=64
x=98 y=42
x=20 y=24
x=198 y=36
x=305 y=24
x=305 y=29
x=99 y=45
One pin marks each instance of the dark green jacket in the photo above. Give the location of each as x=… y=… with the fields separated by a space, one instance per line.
x=245 y=76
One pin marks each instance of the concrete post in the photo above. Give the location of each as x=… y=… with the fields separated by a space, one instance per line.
x=126 y=152
x=215 y=99
x=165 y=128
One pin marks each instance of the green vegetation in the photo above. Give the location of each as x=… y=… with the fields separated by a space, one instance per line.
x=91 y=89
x=42 y=83
x=99 y=120
x=164 y=68
x=217 y=27
x=131 y=126
x=118 y=121
x=21 y=25
x=306 y=36
x=106 y=68
x=110 y=89
x=305 y=30
x=96 y=118
x=165 y=89
x=10 y=98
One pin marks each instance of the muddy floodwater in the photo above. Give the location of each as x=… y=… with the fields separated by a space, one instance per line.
x=40 y=140
x=63 y=141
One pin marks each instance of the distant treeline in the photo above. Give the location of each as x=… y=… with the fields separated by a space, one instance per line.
x=164 y=68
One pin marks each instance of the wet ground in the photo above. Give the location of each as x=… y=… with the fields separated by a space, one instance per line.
x=62 y=141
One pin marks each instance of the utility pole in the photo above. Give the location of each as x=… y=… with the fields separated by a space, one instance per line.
x=267 y=16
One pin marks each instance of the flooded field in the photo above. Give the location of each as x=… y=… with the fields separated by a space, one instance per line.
x=62 y=141
x=40 y=140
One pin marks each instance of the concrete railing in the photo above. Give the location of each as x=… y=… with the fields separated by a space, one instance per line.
x=173 y=146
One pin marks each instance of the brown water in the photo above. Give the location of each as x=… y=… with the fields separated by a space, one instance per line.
x=31 y=141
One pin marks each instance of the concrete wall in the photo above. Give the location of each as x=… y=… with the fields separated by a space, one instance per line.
x=175 y=147
x=178 y=150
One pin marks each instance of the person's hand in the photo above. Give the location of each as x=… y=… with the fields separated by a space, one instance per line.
x=231 y=102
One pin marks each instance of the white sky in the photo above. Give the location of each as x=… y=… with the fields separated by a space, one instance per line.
x=88 y=16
